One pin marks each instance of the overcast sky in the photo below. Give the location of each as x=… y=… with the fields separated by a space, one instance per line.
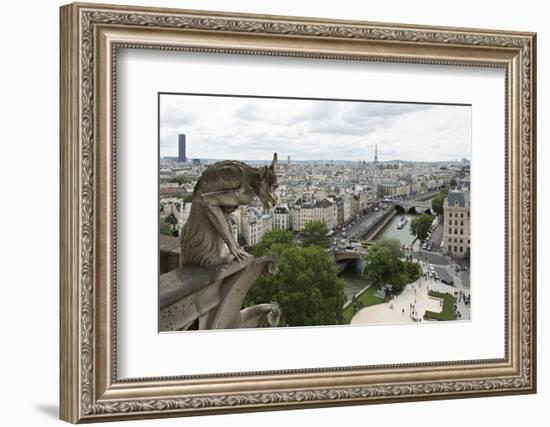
x=254 y=128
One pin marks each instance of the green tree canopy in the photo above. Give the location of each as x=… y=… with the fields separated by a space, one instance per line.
x=186 y=197
x=380 y=266
x=270 y=238
x=383 y=265
x=437 y=201
x=393 y=245
x=420 y=226
x=306 y=287
x=315 y=234
x=164 y=228
x=452 y=183
x=182 y=179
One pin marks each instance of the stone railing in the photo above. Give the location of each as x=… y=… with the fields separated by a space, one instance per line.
x=211 y=297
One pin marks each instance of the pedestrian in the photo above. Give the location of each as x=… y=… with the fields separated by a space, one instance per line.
x=403 y=311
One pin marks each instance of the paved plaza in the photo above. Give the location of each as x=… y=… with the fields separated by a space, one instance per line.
x=411 y=304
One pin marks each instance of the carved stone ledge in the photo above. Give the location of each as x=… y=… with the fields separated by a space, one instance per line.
x=214 y=295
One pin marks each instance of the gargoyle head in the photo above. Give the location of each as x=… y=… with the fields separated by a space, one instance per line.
x=268 y=184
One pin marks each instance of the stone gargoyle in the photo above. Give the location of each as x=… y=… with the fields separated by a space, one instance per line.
x=221 y=189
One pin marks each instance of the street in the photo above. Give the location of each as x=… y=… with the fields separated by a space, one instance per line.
x=358 y=226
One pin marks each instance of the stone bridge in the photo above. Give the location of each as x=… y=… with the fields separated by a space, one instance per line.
x=413 y=206
x=343 y=258
x=427 y=204
x=417 y=204
x=346 y=255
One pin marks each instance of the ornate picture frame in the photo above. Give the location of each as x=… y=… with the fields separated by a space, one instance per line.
x=90 y=37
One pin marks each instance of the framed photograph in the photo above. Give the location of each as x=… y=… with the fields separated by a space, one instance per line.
x=267 y=212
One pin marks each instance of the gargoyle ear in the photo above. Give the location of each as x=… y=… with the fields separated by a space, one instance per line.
x=274 y=162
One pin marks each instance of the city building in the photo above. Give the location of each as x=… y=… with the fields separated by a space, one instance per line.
x=181 y=148
x=333 y=192
x=347 y=207
x=456 y=231
x=282 y=218
x=394 y=189
x=323 y=210
x=255 y=224
x=175 y=211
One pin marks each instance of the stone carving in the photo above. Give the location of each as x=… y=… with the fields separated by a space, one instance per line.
x=221 y=189
x=214 y=273
x=261 y=315
x=214 y=295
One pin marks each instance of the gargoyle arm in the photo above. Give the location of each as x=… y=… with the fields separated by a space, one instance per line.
x=214 y=202
x=233 y=197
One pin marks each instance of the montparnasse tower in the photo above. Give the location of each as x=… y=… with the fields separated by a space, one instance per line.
x=375 y=153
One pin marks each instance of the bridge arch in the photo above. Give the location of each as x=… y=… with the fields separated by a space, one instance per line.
x=413 y=208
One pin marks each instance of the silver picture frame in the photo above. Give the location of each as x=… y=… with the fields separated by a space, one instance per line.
x=90 y=37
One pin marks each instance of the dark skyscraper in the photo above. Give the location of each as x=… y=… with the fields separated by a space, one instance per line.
x=181 y=148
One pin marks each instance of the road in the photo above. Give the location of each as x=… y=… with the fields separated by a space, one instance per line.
x=361 y=224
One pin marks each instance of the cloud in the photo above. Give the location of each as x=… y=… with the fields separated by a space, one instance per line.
x=254 y=128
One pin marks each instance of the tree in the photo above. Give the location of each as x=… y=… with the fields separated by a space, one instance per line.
x=165 y=228
x=307 y=287
x=452 y=183
x=380 y=266
x=383 y=265
x=186 y=197
x=180 y=179
x=420 y=226
x=393 y=245
x=437 y=201
x=315 y=234
x=270 y=238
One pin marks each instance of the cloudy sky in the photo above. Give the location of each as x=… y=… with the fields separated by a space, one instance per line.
x=254 y=128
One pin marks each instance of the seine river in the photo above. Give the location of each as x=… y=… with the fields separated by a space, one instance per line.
x=390 y=231
x=352 y=274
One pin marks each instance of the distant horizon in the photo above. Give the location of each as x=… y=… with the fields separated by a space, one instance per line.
x=284 y=160
x=253 y=128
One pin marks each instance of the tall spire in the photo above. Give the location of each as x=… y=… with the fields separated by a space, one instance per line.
x=375 y=153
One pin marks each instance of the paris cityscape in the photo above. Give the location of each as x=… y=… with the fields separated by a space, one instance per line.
x=370 y=236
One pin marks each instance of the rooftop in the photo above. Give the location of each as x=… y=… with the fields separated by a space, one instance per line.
x=460 y=197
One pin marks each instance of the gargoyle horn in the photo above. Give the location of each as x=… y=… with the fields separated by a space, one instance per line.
x=274 y=162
